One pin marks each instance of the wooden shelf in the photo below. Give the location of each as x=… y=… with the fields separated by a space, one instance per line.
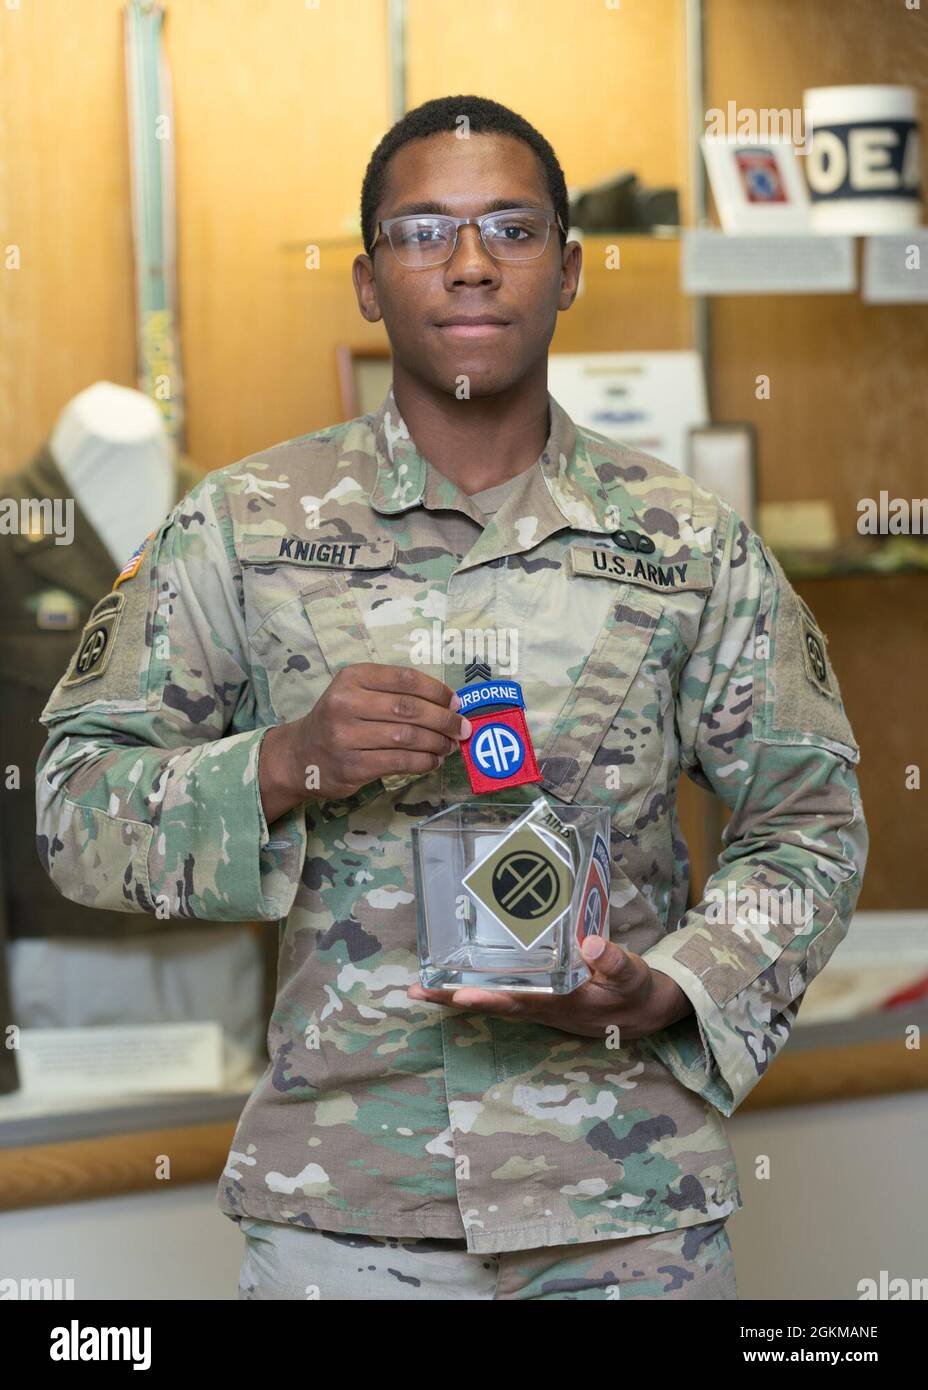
x=875 y=559
x=46 y=1174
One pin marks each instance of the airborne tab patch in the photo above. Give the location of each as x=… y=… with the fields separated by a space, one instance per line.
x=653 y=574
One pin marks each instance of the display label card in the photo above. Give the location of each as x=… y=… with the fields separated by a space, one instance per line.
x=121 y=1060
x=896 y=268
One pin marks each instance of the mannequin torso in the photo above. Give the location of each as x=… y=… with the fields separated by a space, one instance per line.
x=111 y=447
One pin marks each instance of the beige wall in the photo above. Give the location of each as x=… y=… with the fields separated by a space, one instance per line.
x=606 y=86
x=66 y=317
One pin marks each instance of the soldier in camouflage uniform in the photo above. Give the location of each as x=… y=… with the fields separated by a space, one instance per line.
x=256 y=717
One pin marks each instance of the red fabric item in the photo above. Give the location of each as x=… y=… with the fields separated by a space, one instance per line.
x=514 y=719
x=910 y=995
x=599 y=927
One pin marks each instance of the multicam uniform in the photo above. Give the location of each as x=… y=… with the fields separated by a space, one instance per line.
x=654 y=633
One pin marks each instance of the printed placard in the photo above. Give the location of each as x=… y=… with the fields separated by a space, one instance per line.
x=121 y=1060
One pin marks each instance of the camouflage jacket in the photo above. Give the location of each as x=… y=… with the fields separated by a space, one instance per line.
x=655 y=633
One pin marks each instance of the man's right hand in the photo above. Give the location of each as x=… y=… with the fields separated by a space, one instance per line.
x=371 y=721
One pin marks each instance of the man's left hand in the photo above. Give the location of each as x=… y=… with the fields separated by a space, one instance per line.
x=624 y=992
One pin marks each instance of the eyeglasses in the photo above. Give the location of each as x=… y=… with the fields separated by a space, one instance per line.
x=517 y=234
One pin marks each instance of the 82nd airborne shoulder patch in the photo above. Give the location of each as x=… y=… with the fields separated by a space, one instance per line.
x=813 y=651
x=93 y=654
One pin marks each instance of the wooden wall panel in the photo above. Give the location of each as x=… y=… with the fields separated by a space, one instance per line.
x=66 y=317
x=278 y=109
x=636 y=308
x=848 y=413
x=606 y=86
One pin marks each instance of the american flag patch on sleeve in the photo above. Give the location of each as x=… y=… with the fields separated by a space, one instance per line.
x=132 y=564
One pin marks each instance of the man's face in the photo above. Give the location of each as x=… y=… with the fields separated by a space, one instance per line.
x=464 y=178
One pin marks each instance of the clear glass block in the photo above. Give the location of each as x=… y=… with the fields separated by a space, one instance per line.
x=505 y=894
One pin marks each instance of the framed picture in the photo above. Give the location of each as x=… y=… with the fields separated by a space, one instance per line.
x=758 y=186
x=648 y=400
x=364 y=376
x=723 y=460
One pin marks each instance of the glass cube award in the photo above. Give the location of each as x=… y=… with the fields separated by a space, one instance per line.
x=505 y=894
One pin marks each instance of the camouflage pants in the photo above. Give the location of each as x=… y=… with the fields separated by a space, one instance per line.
x=293 y=1262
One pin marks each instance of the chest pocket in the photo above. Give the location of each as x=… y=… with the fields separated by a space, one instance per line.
x=606 y=744
x=304 y=619
x=306 y=624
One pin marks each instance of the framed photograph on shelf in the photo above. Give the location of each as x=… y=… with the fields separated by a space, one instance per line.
x=758 y=186
x=648 y=400
x=364 y=376
x=723 y=460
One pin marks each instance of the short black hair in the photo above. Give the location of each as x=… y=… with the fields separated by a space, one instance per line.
x=484 y=117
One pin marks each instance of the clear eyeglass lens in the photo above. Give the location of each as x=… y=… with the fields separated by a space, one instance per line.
x=422 y=240
x=508 y=236
x=516 y=236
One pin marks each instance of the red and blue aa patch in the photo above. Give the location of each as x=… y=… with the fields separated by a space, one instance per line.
x=499 y=752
